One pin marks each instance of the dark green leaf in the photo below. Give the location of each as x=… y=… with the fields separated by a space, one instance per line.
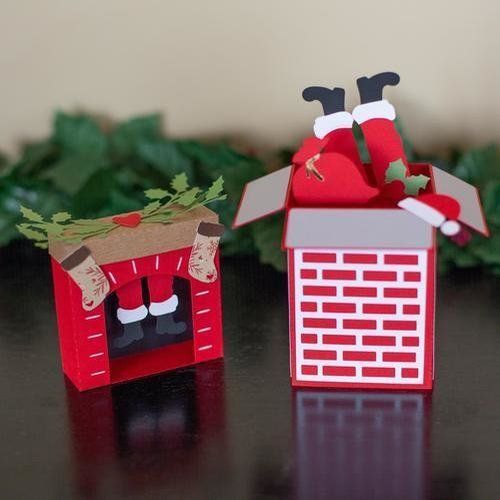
x=93 y=198
x=267 y=236
x=165 y=157
x=71 y=173
x=78 y=135
x=125 y=139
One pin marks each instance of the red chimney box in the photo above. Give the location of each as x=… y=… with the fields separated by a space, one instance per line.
x=361 y=284
x=124 y=255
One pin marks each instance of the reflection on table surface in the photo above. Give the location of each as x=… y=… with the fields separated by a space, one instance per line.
x=361 y=444
x=144 y=434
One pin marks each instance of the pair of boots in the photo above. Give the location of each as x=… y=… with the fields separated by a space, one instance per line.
x=370 y=90
x=165 y=323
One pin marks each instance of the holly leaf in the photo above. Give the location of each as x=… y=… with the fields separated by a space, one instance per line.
x=180 y=183
x=188 y=197
x=61 y=217
x=395 y=171
x=151 y=207
x=31 y=233
x=30 y=214
x=414 y=183
x=215 y=190
x=156 y=194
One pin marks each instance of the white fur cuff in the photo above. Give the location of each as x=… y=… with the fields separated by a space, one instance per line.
x=376 y=109
x=131 y=315
x=423 y=211
x=328 y=123
x=165 y=307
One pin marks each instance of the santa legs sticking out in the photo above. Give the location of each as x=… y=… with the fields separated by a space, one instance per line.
x=351 y=182
x=132 y=310
x=375 y=116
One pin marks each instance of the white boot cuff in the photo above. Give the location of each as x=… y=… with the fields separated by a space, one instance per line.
x=328 y=123
x=131 y=315
x=165 y=307
x=376 y=109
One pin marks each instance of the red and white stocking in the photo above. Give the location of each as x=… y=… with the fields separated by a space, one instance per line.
x=88 y=275
x=202 y=259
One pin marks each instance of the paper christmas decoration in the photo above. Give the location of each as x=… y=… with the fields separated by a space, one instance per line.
x=361 y=246
x=138 y=293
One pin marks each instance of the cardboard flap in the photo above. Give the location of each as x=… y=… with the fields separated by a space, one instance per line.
x=263 y=196
x=471 y=212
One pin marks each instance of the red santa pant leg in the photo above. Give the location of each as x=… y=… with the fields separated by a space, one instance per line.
x=131 y=304
x=337 y=128
x=382 y=139
x=161 y=295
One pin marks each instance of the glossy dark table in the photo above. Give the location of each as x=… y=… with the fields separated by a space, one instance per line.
x=234 y=429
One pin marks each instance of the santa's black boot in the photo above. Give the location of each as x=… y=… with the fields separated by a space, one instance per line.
x=372 y=88
x=166 y=324
x=332 y=100
x=334 y=114
x=131 y=333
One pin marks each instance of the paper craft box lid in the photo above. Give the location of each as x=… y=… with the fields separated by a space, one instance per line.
x=125 y=243
x=270 y=194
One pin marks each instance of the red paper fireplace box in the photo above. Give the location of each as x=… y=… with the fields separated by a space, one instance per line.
x=140 y=264
x=361 y=284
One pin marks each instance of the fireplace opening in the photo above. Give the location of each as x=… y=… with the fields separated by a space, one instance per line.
x=147 y=336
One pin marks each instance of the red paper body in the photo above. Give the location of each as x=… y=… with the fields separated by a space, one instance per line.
x=83 y=336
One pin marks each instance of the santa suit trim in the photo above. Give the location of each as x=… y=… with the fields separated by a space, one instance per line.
x=323 y=125
x=450 y=228
x=165 y=307
x=126 y=316
x=376 y=109
x=423 y=211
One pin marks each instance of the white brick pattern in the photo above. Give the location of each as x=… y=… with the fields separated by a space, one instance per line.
x=360 y=315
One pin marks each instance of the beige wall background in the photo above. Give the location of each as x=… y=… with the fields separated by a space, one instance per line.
x=236 y=68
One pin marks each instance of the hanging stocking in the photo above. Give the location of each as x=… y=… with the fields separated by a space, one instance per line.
x=201 y=261
x=87 y=274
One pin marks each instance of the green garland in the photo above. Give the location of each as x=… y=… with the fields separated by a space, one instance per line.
x=163 y=206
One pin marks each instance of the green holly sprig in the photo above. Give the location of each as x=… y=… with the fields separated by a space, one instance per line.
x=164 y=205
x=413 y=183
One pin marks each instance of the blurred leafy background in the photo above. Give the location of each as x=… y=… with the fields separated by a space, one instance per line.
x=92 y=171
